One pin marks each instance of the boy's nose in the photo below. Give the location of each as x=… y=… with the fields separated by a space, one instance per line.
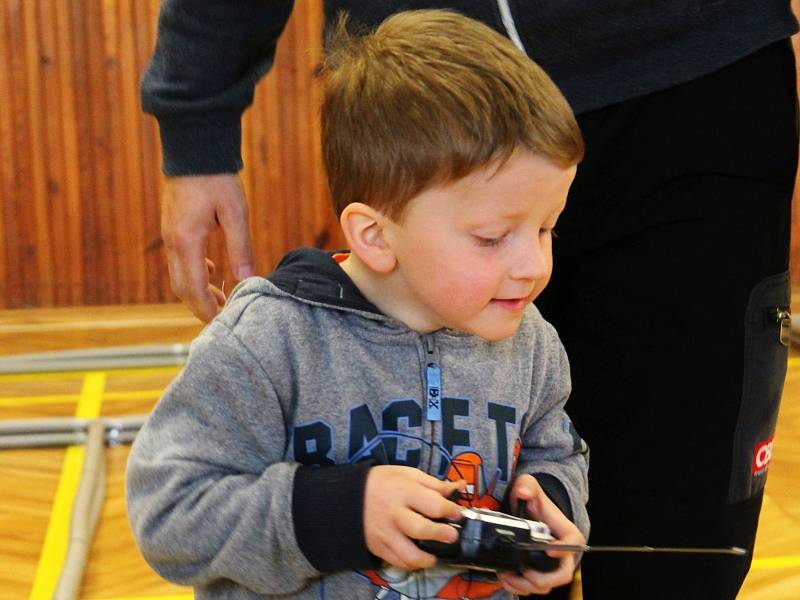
x=532 y=263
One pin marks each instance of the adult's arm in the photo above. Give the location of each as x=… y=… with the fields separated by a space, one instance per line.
x=208 y=58
x=209 y=55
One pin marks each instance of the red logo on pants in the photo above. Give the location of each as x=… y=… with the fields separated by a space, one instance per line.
x=762 y=455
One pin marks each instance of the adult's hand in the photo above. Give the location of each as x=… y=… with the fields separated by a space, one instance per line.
x=191 y=208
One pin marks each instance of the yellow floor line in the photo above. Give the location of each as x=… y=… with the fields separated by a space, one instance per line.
x=54 y=549
x=11 y=401
x=775 y=562
x=91 y=396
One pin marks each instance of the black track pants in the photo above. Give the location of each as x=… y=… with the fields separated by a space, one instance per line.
x=670 y=273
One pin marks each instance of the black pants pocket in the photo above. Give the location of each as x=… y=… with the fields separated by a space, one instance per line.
x=766 y=352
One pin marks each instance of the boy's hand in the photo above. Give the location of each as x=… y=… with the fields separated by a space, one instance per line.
x=399 y=503
x=541 y=508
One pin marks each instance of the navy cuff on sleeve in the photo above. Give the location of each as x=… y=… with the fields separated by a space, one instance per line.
x=328 y=514
x=201 y=145
x=556 y=491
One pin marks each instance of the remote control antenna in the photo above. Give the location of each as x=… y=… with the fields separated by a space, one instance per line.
x=732 y=550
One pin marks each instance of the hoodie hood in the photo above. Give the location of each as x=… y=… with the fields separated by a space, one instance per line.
x=315 y=275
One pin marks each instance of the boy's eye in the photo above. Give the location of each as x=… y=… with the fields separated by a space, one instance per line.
x=488 y=242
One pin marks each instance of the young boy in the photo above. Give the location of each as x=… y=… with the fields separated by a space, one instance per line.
x=326 y=417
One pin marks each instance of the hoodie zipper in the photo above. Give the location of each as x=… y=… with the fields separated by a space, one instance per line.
x=509 y=24
x=433 y=395
x=433 y=382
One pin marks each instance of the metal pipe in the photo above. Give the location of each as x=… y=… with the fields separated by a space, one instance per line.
x=65 y=431
x=63 y=424
x=41 y=440
x=97 y=359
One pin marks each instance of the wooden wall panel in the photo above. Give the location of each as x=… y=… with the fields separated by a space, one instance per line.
x=79 y=162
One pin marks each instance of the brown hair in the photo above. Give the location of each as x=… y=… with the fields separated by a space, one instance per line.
x=428 y=98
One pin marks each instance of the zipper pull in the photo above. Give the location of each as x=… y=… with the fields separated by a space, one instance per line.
x=433 y=382
x=433 y=387
x=783 y=316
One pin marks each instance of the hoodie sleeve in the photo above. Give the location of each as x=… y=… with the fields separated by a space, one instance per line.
x=209 y=491
x=209 y=55
x=552 y=451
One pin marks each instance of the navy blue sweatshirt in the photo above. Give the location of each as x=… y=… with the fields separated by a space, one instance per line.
x=211 y=53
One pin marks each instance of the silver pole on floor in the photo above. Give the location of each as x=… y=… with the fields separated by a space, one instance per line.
x=97 y=359
x=65 y=431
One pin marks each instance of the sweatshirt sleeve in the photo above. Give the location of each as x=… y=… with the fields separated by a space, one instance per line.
x=209 y=492
x=209 y=55
x=552 y=451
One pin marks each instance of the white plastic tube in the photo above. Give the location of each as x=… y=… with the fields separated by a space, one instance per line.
x=85 y=513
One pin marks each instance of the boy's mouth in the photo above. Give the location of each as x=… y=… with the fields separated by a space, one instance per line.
x=512 y=304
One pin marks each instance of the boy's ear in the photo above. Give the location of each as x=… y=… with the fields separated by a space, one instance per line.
x=363 y=227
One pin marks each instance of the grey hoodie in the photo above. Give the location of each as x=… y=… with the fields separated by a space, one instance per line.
x=247 y=481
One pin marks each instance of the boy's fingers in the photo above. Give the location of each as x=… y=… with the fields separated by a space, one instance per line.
x=561 y=527
x=408 y=555
x=541 y=508
x=561 y=576
x=517 y=584
x=418 y=527
x=524 y=489
x=435 y=506
x=394 y=559
x=445 y=488
x=391 y=557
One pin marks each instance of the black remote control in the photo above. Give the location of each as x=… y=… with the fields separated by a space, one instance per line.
x=494 y=541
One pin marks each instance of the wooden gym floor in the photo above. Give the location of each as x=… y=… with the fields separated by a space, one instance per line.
x=37 y=487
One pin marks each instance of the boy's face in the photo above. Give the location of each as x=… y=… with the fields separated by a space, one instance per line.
x=474 y=253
